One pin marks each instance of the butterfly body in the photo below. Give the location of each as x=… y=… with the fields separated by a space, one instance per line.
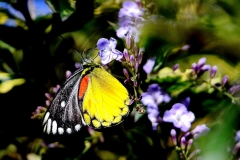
x=92 y=97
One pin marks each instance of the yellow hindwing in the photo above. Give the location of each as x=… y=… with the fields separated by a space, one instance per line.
x=106 y=100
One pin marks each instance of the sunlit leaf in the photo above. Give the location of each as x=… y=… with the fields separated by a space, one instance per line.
x=6 y=86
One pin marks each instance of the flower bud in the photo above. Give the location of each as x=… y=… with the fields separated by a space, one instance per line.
x=135 y=50
x=174 y=138
x=189 y=145
x=49 y=96
x=78 y=65
x=125 y=72
x=136 y=65
x=194 y=66
x=128 y=41
x=132 y=60
x=47 y=102
x=176 y=66
x=236 y=148
x=201 y=62
x=68 y=73
x=213 y=71
x=205 y=67
x=183 y=143
x=224 y=80
x=139 y=57
x=135 y=84
x=55 y=89
x=125 y=54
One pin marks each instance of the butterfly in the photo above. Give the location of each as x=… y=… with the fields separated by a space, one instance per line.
x=90 y=96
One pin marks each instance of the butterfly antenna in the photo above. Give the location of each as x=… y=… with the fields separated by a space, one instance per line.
x=89 y=52
x=75 y=51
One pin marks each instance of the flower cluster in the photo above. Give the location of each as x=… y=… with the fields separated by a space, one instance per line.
x=152 y=98
x=185 y=142
x=130 y=21
x=107 y=51
x=179 y=116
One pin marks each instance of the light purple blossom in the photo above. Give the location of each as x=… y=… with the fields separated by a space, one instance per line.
x=237 y=137
x=131 y=28
x=201 y=67
x=224 y=80
x=206 y=67
x=130 y=20
x=153 y=115
x=130 y=9
x=213 y=71
x=68 y=74
x=152 y=98
x=200 y=130
x=175 y=67
x=107 y=51
x=179 y=116
x=154 y=95
x=201 y=62
x=149 y=65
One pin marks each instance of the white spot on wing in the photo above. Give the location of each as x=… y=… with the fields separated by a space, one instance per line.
x=77 y=127
x=45 y=128
x=69 y=130
x=54 y=127
x=60 y=130
x=46 y=117
x=63 y=104
x=49 y=126
x=83 y=122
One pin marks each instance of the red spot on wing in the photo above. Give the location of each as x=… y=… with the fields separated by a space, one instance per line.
x=83 y=87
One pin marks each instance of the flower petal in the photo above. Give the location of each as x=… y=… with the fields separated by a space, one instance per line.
x=147 y=99
x=149 y=65
x=102 y=44
x=116 y=54
x=105 y=56
x=185 y=126
x=169 y=117
x=188 y=117
x=122 y=31
x=112 y=43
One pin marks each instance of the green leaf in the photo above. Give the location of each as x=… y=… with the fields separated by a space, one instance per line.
x=6 y=86
x=65 y=8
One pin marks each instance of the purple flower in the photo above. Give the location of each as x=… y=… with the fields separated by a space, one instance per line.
x=130 y=21
x=201 y=62
x=107 y=51
x=131 y=28
x=153 y=115
x=154 y=95
x=175 y=67
x=201 y=67
x=179 y=116
x=237 y=137
x=130 y=9
x=149 y=65
x=68 y=74
x=213 y=71
x=224 y=80
x=200 y=130
x=152 y=98
x=206 y=67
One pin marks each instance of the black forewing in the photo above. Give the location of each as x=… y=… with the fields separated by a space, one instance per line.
x=64 y=114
